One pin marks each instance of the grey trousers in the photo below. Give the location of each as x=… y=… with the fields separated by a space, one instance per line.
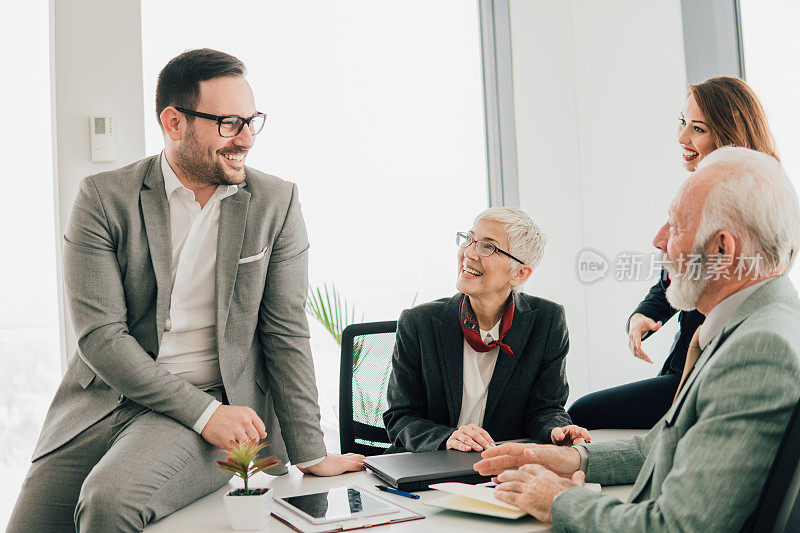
x=130 y=468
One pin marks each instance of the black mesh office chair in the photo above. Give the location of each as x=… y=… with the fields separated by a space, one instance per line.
x=366 y=365
x=778 y=509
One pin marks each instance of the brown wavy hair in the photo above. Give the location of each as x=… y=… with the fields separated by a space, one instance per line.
x=734 y=114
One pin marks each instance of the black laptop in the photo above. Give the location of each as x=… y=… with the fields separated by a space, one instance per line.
x=416 y=471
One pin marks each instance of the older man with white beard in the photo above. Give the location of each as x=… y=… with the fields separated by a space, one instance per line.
x=703 y=465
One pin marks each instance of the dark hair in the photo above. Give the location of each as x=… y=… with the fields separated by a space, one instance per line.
x=179 y=81
x=734 y=114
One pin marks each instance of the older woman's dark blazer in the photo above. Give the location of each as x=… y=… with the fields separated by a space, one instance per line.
x=526 y=394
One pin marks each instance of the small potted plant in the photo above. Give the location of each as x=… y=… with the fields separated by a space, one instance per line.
x=247 y=509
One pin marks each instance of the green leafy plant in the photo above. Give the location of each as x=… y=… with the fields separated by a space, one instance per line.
x=335 y=314
x=242 y=460
x=332 y=311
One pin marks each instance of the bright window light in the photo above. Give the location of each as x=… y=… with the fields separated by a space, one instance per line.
x=29 y=338
x=375 y=110
x=771 y=49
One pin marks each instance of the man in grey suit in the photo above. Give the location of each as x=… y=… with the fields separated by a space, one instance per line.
x=186 y=277
x=732 y=234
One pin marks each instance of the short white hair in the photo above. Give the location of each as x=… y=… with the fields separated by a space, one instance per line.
x=757 y=203
x=526 y=241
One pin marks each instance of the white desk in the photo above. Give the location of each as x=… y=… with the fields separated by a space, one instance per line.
x=208 y=514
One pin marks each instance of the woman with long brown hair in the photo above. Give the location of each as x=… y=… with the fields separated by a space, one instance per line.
x=721 y=111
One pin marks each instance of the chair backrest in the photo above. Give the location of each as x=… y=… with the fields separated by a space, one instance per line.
x=778 y=508
x=364 y=376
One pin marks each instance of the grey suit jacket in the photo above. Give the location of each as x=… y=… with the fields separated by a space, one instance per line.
x=526 y=394
x=703 y=466
x=117 y=274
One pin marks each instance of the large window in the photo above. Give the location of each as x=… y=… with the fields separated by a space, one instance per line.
x=375 y=110
x=771 y=49
x=29 y=354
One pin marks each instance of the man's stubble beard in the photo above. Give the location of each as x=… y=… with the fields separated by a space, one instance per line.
x=200 y=165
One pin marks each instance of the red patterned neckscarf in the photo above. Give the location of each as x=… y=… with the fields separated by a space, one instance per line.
x=471 y=331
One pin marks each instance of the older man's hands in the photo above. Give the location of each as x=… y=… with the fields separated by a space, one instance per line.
x=562 y=460
x=531 y=475
x=570 y=435
x=533 y=488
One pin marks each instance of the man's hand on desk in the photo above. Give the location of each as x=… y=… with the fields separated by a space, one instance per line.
x=570 y=435
x=233 y=423
x=533 y=488
x=562 y=460
x=335 y=464
x=468 y=438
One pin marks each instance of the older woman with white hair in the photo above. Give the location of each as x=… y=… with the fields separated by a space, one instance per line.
x=487 y=364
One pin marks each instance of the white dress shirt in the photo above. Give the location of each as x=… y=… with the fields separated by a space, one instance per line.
x=724 y=311
x=189 y=344
x=478 y=370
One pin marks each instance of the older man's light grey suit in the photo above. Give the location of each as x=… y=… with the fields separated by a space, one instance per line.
x=702 y=467
x=117 y=271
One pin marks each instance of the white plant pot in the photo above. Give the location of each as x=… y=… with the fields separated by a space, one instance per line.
x=249 y=513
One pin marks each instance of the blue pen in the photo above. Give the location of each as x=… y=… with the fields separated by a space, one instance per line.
x=393 y=490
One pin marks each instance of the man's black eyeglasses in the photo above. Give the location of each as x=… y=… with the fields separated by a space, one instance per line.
x=484 y=248
x=231 y=125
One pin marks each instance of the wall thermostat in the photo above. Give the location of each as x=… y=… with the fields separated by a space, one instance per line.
x=103 y=138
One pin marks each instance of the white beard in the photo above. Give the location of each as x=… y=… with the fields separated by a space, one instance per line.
x=685 y=289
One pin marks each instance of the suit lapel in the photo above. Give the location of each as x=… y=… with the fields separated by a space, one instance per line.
x=155 y=210
x=232 y=222
x=450 y=345
x=698 y=367
x=645 y=474
x=648 y=467
x=516 y=339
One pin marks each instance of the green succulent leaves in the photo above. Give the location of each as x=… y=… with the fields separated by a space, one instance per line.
x=242 y=460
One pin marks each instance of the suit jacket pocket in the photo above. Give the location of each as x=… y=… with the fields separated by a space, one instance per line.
x=83 y=374
x=253 y=262
x=253 y=258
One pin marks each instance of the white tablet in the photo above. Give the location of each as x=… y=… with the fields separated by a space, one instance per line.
x=337 y=505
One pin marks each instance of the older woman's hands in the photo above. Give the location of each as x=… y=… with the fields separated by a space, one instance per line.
x=468 y=438
x=533 y=488
x=570 y=435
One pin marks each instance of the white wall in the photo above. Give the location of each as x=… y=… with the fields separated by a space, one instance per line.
x=598 y=87
x=97 y=69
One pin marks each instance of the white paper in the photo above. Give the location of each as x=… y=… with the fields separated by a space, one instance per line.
x=476 y=492
x=486 y=494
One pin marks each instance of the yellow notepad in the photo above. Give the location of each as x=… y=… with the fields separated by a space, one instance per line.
x=479 y=499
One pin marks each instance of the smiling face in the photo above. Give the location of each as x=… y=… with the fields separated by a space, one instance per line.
x=694 y=135
x=688 y=265
x=486 y=279
x=202 y=152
